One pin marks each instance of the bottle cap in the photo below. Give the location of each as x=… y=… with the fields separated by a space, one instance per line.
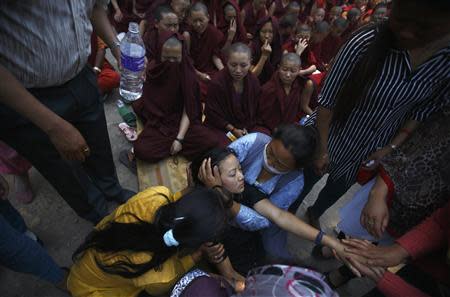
x=133 y=27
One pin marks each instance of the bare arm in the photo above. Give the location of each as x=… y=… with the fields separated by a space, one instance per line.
x=100 y=58
x=308 y=71
x=217 y=62
x=289 y=222
x=323 y=121
x=66 y=138
x=104 y=30
x=184 y=125
x=257 y=69
x=305 y=97
x=272 y=8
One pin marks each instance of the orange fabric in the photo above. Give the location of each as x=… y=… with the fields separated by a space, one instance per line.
x=108 y=79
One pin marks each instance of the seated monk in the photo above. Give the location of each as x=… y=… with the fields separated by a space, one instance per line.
x=231 y=24
x=332 y=43
x=170 y=107
x=278 y=8
x=165 y=21
x=206 y=44
x=299 y=44
x=232 y=99
x=251 y=13
x=179 y=7
x=266 y=49
x=285 y=98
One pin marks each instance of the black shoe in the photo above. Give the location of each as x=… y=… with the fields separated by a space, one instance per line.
x=125 y=160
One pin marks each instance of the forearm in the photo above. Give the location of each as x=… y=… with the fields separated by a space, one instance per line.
x=306 y=97
x=115 y=5
x=16 y=97
x=184 y=125
x=142 y=27
x=99 y=58
x=104 y=30
x=323 y=121
x=257 y=69
x=310 y=70
x=217 y=62
x=403 y=134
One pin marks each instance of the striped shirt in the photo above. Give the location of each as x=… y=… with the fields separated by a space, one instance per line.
x=398 y=94
x=45 y=42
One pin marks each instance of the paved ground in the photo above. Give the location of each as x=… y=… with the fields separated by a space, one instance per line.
x=62 y=231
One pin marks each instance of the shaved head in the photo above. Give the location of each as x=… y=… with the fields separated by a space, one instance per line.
x=199 y=7
x=239 y=47
x=291 y=58
x=172 y=50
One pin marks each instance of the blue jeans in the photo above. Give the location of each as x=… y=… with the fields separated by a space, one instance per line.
x=20 y=253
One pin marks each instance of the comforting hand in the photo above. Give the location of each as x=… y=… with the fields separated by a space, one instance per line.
x=204 y=76
x=375 y=214
x=384 y=256
x=210 y=177
x=69 y=142
x=373 y=272
x=214 y=252
x=239 y=132
x=176 y=147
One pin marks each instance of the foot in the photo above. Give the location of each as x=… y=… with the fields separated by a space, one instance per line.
x=23 y=190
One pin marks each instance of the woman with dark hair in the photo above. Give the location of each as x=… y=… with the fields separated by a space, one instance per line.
x=147 y=244
x=264 y=174
x=384 y=81
x=266 y=48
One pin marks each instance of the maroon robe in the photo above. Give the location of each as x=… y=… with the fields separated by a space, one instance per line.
x=223 y=25
x=275 y=107
x=280 y=10
x=225 y=107
x=151 y=43
x=126 y=7
x=251 y=19
x=204 y=46
x=170 y=87
x=330 y=47
x=275 y=57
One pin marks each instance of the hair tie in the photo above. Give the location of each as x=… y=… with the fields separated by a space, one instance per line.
x=168 y=238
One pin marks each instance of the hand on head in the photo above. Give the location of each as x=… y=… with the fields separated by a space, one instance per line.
x=209 y=176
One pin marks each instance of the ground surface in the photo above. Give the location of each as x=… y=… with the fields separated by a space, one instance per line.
x=62 y=231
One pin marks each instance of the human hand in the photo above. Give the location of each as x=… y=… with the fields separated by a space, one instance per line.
x=176 y=147
x=204 y=76
x=383 y=256
x=118 y=16
x=239 y=132
x=375 y=214
x=232 y=29
x=266 y=49
x=209 y=176
x=373 y=272
x=301 y=45
x=249 y=36
x=321 y=164
x=69 y=142
x=214 y=252
x=190 y=179
x=376 y=157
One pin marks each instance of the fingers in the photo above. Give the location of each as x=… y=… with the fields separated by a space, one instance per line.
x=266 y=43
x=384 y=223
x=377 y=228
x=208 y=169
x=216 y=171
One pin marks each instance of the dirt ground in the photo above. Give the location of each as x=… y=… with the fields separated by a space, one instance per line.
x=62 y=231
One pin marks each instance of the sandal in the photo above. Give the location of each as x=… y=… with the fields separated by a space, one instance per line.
x=129 y=132
x=125 y=160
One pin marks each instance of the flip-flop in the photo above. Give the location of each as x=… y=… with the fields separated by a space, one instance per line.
x=129 y=132
x=123 y=158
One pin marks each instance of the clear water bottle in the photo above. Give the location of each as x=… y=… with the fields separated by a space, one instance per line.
x=132 y=58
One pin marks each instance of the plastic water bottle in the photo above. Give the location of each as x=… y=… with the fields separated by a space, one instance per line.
x=132 y=58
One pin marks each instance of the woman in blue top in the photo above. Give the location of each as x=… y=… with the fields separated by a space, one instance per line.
x=263 y=176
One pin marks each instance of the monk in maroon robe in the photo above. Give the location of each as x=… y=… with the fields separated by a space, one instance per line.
x=205 y=45
x=285 y=98
x=165 y=21
x=232 y=99
x=122 y=13
x=169 y=108
x=251 y=13
x=333 y=42
x=230 y=23
x=267 y=34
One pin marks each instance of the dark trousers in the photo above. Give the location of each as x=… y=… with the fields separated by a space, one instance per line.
x=332 y=191
x=84 y=186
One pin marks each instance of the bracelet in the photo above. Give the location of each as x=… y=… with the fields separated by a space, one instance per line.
x=319 y=237
x=96 y=69
x=116 y=43
x=179 y=140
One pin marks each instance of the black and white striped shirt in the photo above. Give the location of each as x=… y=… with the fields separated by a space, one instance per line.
x=395 y=96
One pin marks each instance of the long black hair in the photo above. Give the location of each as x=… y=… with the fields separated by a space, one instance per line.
x=217 y=155
x=196 y=218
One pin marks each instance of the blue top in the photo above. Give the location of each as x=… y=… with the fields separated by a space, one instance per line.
x=282 y=197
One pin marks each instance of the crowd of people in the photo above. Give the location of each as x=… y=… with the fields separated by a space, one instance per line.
x=263 y=98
